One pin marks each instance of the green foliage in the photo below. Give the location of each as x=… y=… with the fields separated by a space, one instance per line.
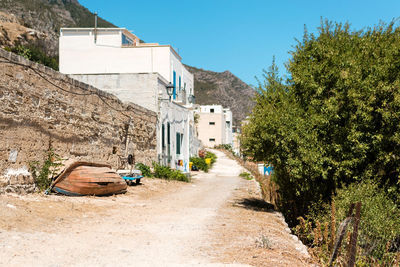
x=227 y=147
x=196 y=118
x=380 y=216
x=200 y=163
x=335 y=121
x=165 y=172
x=35 y=52
x=212 y=156
x=144 y=169
x=378 y=229
x=44 y=173
x=246 y=175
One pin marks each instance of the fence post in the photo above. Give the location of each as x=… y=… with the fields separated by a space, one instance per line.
x=340 y=235
x=353 y=239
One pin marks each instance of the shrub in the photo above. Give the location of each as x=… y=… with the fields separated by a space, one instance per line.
x=227 y=147
x=43 y=174
x=144 y=169
x=200 y=163
x=35 y=51
x=379 y=224
x=212 y=156
x=335 y=120
x=165 y=172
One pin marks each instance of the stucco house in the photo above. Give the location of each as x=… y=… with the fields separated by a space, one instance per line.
x=215 y=125
x=117 y=61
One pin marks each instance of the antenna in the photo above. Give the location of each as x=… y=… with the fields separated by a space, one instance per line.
x=95 y=27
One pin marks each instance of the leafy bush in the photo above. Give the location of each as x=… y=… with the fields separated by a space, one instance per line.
x=227 y=147
x=144 y=169
x=336 y=120
x=379 y=224
x=165 y=172
x=35 y=52
x=200 y=163
x=212 y=156
x=44 y=173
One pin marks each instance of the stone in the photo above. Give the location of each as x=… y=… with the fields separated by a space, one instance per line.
x=50 y=117
x=13 y=156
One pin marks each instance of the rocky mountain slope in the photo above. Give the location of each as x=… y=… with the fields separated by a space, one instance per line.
x=24 y=21
x=225 y=89
x=47 y=17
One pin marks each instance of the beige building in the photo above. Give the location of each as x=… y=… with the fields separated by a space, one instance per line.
x=215 y=125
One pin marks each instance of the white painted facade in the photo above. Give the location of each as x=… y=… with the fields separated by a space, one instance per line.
x=215 y=125
x=228 y=126
x=137 y=73
x=103 y=51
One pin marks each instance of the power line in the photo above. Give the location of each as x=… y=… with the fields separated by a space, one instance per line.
x=39 y=73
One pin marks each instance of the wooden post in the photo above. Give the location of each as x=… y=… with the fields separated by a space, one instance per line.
x=340 y=235
x=353 y=240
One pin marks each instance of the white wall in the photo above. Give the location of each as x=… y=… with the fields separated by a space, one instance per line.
x=215 y=131
x=141 y=89
x=179 y=119
x=207 y=108
x=79 y=54
x=137 y=74
x=221 y=131
x=228 y=126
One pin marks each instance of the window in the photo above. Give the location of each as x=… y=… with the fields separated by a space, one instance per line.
x=211 y=139
x=180 y=88
x=211 y=123
x=126 y=40
x=228 y=124
x=211 y=110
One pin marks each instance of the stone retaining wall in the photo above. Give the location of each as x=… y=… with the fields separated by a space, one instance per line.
x=42 y=109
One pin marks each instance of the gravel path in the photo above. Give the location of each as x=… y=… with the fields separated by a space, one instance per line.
x=157 y=224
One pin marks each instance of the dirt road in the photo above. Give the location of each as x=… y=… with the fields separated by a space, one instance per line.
x=217 y=220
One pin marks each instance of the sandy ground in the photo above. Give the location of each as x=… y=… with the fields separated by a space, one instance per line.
x=217 y=220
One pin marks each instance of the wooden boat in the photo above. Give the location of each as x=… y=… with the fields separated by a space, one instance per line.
x=84 y=178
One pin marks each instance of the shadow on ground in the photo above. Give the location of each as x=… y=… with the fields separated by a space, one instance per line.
x=255 y=204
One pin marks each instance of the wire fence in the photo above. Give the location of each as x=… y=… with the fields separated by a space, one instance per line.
x=344 y=237
x=349 y=242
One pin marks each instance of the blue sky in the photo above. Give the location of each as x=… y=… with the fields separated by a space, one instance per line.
x=239 y=36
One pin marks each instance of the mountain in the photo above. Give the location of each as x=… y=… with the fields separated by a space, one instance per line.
x=39 y=21
x=47 y=17
x=225 y=89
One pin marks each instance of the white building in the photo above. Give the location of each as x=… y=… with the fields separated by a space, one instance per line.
x=115 y=60
x=215 y=125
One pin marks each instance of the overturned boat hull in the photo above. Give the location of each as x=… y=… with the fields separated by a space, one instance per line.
x=82 y=179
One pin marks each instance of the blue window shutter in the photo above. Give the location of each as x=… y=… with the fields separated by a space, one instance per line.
x=180 y=83
x=174 y=82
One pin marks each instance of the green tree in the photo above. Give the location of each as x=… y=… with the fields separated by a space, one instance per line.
x=336 y=119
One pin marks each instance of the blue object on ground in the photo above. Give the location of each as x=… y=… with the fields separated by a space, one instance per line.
x=127 y=178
